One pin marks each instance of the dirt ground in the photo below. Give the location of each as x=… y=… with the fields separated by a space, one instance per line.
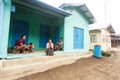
x=105 y=68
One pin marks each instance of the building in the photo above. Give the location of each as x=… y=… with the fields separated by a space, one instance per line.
x=102 y=37
x=76 y=31
x=115 y=41
x=39 y=22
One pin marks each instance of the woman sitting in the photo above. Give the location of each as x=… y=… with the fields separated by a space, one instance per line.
x=21 y=47
x=49 y=48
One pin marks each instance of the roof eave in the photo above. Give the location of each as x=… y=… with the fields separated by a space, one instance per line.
x=88 y=13
x=110 y=29
x=95 y=30
x=44 y=6
x=90 y=18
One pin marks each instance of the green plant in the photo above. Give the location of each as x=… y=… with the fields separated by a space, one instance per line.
x=91 y=50
x=105 y=53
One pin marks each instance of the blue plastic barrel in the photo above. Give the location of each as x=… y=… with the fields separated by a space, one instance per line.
x=97 y=51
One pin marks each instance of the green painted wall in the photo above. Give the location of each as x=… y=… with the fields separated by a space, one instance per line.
x=5 y=28
x=35 y=19
x=77 y=19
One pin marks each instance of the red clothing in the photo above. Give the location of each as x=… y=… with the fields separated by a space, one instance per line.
x=19 y=42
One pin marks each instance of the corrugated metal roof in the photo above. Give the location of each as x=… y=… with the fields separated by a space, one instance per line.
x=97 y=26
x=110 y=29
x=84 y=9
x=102 y=26
x=44 y=6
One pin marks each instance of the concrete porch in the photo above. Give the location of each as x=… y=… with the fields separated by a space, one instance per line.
x=16 y=68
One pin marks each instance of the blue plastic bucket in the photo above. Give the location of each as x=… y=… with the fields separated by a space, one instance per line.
x=97 y=51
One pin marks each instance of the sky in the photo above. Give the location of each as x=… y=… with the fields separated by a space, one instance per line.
x=105 y=11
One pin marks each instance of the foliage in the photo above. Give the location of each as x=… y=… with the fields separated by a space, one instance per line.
x=91 y=50
x=106 y=53
x=103 y=53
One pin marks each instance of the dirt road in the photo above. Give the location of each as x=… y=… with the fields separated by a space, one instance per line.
x=84 y=69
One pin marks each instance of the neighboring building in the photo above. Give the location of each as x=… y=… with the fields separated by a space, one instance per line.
x=115 y=40
x=102 y=37
x=39 y=22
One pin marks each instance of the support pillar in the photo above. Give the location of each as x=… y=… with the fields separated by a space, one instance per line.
x=5 y=7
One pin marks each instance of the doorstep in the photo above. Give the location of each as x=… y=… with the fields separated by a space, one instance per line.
x=16 y=68
x=34 y=54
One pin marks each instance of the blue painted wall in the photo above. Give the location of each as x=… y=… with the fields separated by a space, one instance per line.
x=77 y=19
x=4 y=27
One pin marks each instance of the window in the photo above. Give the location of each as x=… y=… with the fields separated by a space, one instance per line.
x=93 y=38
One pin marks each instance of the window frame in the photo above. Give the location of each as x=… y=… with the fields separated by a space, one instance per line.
x=93 y=38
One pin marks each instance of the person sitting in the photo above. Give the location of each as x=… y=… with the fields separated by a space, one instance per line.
x=59 y=45
x=49 y=48
x=20 y=45
x=31 y=46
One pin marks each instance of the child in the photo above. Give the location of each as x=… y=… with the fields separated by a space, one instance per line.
x=31 y=46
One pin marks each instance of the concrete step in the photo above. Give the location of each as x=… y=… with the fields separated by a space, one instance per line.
x=31 y=60
x=12 y=69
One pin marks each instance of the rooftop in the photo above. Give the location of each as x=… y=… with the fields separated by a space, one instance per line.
x=102 y=26
x=42 y=7
x=83 y=8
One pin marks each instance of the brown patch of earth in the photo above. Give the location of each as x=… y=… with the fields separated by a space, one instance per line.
x=84 y=69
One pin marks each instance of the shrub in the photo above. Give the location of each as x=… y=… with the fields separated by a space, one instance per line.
x=91 y=50
x=105 y=53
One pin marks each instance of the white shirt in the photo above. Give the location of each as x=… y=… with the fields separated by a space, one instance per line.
x=48 y=45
